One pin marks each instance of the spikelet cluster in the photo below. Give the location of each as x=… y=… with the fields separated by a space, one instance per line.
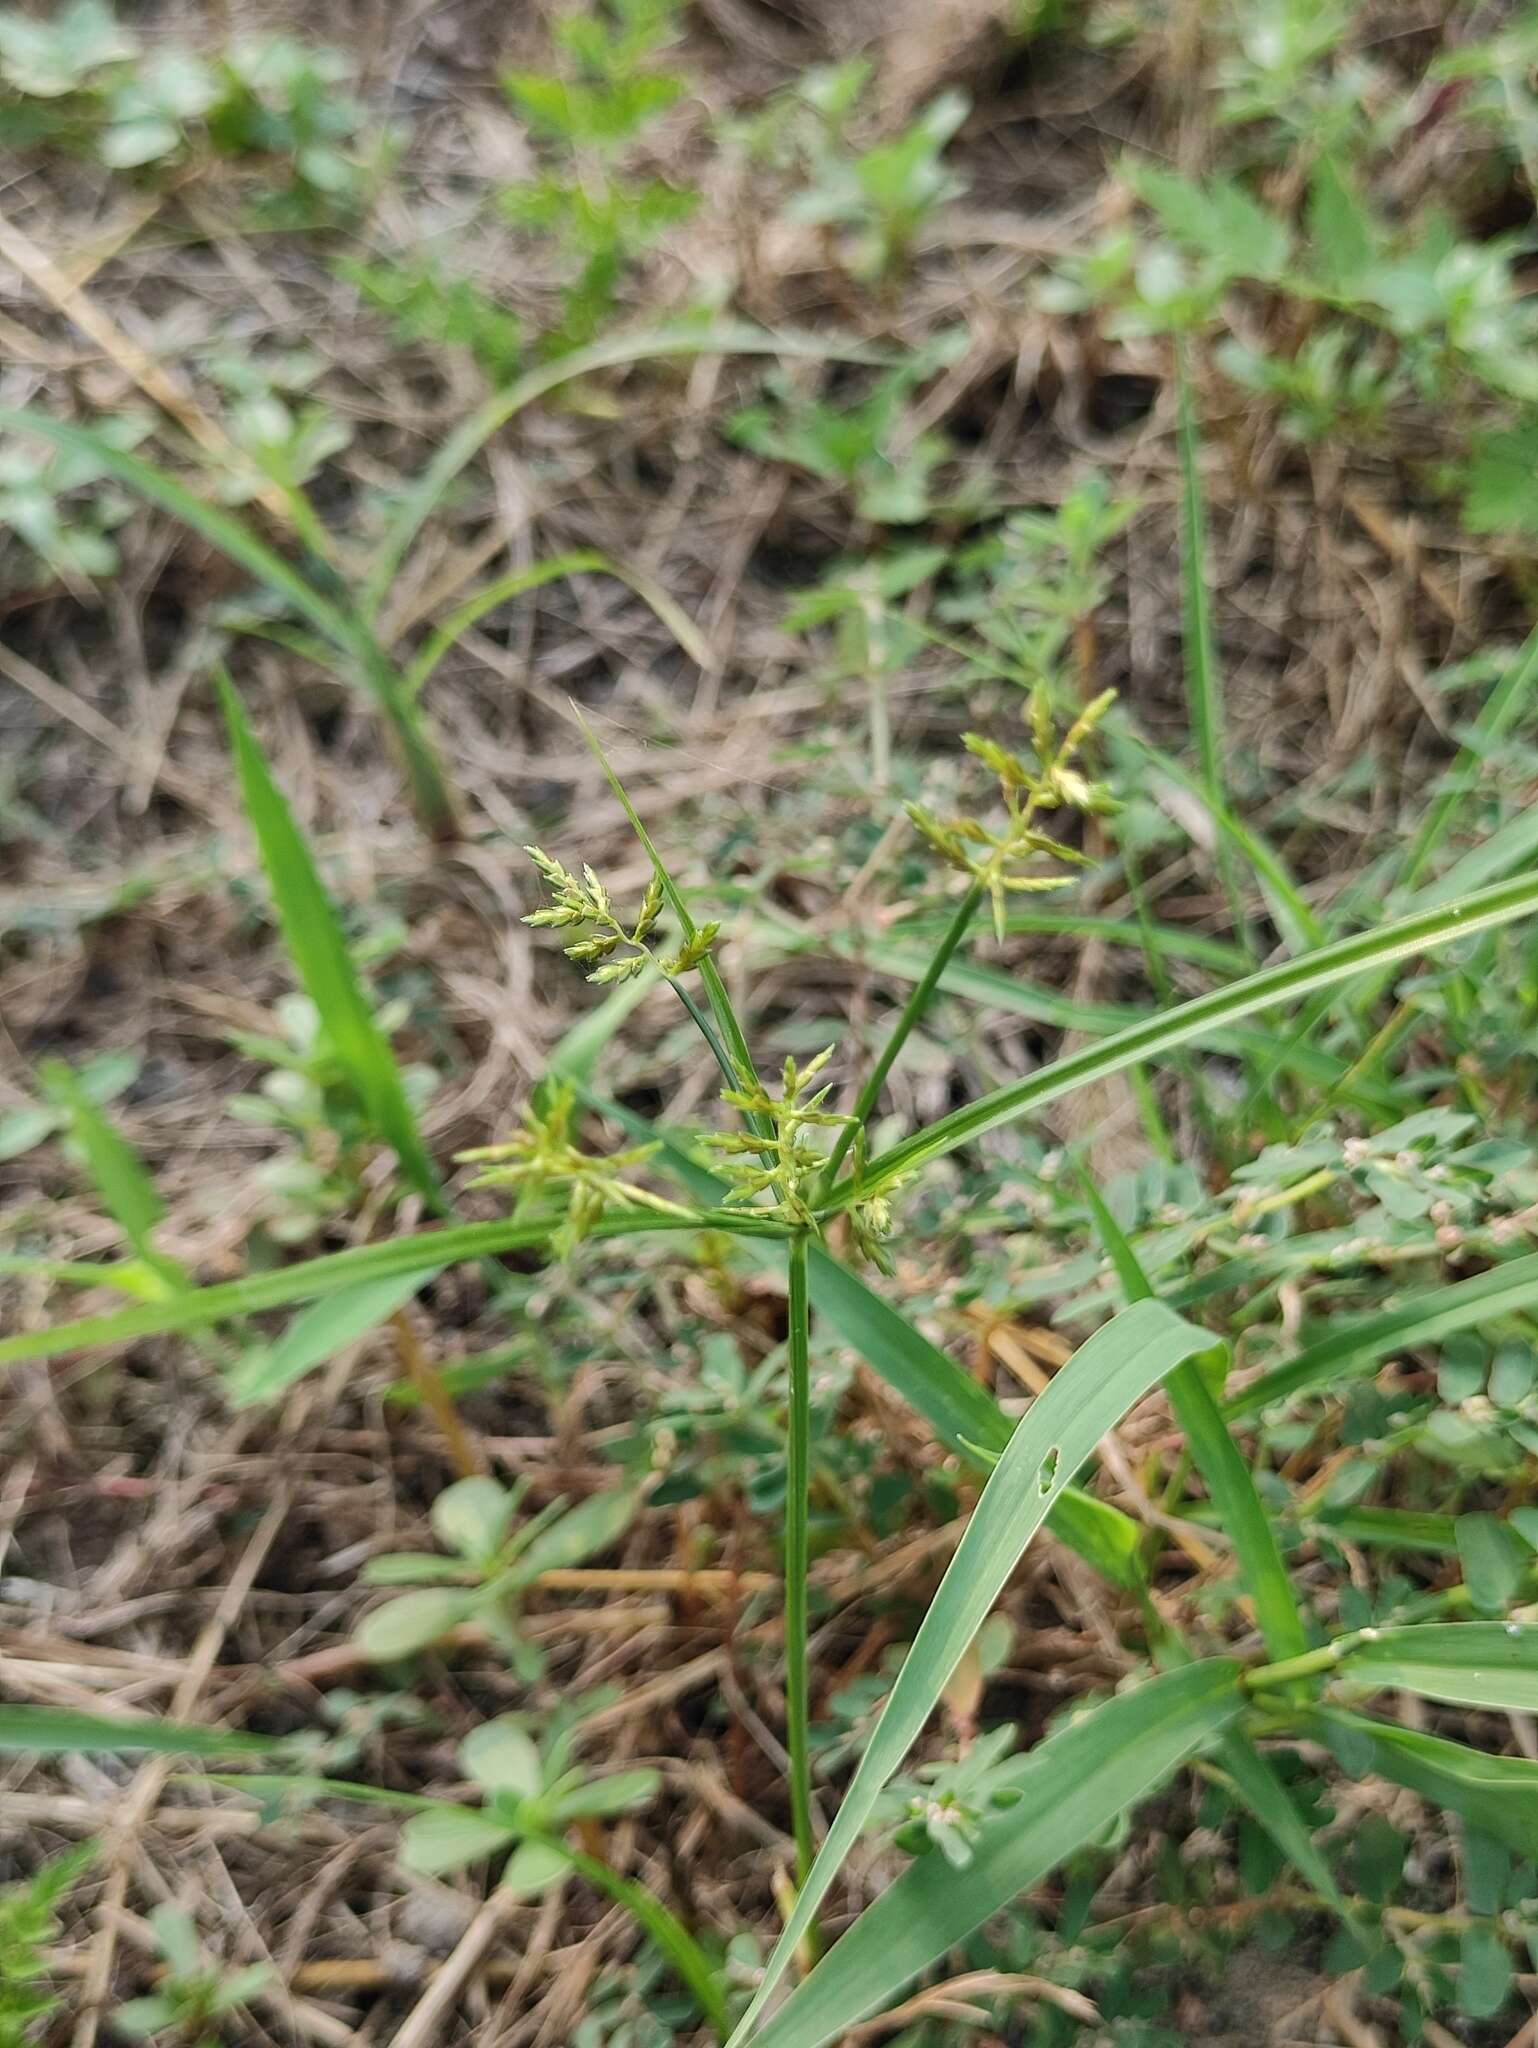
x=611 y=947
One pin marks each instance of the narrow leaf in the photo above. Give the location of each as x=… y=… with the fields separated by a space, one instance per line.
x=1466 y=1663
x=1424 y=1319
x=1241 y=1513
x=120 y=1175
x=1497 y=1793
x=1070 y=1786
x=1065 y=1423
x=318 y=949
x=52 y=1731
x=1408 y=936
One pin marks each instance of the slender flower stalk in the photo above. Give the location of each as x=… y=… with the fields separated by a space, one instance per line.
x=913 y=1010
x=798 y=1559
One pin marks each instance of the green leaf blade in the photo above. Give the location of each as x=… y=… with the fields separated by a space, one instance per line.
x=1070 y=1786
x=1483 y=911
x=318 y=949
x=1105 y=1377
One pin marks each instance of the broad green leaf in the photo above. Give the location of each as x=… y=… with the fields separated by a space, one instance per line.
x=1497 y=1793
x=619 y=1792
x=141 y=2018
x=410 y=1623
x=471 y=1517
x=1494 y=1560
x=318 y=1333
x=51 y=1731
x=1217 y=219
x=1423 y=1319
x=533 y=1867
x=1091 y=1393
x=1485 y=1974
x=596 y=1525
x=318 y=948
x=1070 y=1787
x=449 y=1837
x=177 y=1933
x=1407 y=936
x=22 y=1130
x=1466 y=1663
x=501 y=1756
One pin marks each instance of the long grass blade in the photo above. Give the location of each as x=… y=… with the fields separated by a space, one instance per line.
x=265 y=1370
x=222 y=529
x=1092 y=1392
x=1070 y=1787
x=1425 y=1318
x=798 y=1556
x=576 y=562
x=1492 y=1664
x=1165 y=939
x=55 y=1731
x=314 y=1279
x=1501 y=709
x=1204 y=687
x=723 y=338
x=1499 y=1794
x=121 y=1177
x=1289 y=979
x=1241 y=1513
x=1261 y=1788
x=318 y=948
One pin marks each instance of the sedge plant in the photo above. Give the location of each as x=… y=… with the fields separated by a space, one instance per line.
x=798 y=1183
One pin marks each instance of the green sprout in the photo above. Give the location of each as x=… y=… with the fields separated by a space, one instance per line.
x=492 y=1566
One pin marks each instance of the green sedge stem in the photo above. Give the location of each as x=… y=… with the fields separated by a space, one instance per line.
x=798 y=1559
x=1199 y=641
x=912 y=1011
x=706 y=1030
x=1270 y=1677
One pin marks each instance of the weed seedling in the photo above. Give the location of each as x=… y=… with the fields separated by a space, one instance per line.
x=492 y=1566
x=197 y=2001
